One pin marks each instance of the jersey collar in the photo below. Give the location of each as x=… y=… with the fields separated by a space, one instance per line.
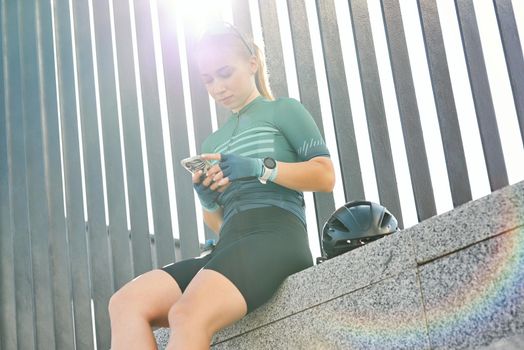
x=246 y=107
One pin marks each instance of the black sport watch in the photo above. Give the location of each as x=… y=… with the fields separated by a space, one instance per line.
x=269 y=167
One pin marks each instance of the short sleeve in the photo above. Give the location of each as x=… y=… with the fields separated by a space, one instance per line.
x=206 y=147
x=300 y=129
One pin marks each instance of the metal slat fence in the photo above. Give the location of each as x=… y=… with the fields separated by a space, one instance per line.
x=91 y=91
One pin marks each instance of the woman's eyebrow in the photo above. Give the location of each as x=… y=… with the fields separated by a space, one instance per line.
x=222 y=69
x=219 y=71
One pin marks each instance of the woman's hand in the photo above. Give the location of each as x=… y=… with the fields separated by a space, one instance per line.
x=207 y=180
x=315 y=175
x=232 y=167
x=206 y=195
x=212 y=210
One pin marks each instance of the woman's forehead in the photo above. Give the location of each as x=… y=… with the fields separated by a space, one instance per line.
x=212 y=61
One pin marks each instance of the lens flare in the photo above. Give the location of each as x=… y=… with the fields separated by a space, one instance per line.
x=486 y=297
x=197 y=14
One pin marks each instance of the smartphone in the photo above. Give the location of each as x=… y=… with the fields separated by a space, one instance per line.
x=195 y=163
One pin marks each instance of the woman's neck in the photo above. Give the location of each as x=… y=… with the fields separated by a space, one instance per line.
x=250 y=99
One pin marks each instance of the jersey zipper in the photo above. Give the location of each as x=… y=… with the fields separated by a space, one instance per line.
x=233 y=134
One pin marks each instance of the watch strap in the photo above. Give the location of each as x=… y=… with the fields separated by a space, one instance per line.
x=268 y=174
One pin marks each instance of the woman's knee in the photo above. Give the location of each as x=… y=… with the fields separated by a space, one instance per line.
x=148 y=296
x=119 y=303
x=182 y=315
x=179 y=314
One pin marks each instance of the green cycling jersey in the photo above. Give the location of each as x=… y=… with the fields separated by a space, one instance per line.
x=282 y=129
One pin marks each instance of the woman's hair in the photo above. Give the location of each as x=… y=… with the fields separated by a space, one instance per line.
x=226 y=36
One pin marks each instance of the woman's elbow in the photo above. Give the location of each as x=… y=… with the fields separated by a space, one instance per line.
x=327 y=178
x=329 y=182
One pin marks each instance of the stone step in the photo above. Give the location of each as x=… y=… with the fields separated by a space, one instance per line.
x=453 y=281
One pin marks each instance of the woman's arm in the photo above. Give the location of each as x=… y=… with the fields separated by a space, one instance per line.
x=213 y=214
x=315 y=175
x=214 y=219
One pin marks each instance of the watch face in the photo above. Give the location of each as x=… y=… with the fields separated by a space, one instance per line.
x=270 y=163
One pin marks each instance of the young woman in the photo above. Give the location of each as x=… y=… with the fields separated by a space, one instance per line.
x=265 y=155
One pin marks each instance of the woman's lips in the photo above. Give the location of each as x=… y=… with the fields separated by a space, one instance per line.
x=226 y=100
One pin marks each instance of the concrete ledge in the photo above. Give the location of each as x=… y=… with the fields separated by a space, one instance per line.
x=455 y=280
x=470 y=223
x=515 y=342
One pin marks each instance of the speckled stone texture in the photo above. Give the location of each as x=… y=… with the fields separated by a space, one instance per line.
x=453 y=281
x=515 y=342
x=332 y=278
x=470 y=223
x=476 y=295
x=162 y=337
x=384 y=315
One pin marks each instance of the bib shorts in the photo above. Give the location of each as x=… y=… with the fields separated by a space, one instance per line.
x=257 y=250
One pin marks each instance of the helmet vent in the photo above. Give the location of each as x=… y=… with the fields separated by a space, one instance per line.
x=339 y=226
x=386 y=218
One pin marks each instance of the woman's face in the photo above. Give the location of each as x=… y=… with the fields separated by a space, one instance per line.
x=229 y=77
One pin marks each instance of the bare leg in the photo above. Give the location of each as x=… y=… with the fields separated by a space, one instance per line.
x=143 y=302
x=209 y=303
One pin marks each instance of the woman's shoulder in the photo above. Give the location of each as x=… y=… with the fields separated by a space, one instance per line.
x=287 y=101
x=290 y=107
x=217 y=137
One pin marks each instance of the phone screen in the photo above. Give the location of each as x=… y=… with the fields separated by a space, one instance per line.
x=193 y=164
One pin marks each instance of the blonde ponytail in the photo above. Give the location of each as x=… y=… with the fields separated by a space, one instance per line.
x=261 y=78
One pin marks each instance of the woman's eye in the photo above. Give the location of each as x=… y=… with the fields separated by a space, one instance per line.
x=207 y=80
x=226 y=73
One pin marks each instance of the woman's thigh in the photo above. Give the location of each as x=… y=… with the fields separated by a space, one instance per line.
x=259 y=263
x=210 y=301
x=153 y=293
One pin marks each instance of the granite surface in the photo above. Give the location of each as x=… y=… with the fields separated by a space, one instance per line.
x=471 y=282
x=476 y=296
x=162 y=337
x=335 y=277
x=515 y=342
x=385 y=315
x=470 y=223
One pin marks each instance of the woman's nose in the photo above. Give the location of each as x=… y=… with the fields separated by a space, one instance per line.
x=217 y=88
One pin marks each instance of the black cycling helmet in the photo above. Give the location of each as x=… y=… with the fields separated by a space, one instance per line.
x=355 y=224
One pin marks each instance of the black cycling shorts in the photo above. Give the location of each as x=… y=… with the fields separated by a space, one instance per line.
x=258 y=248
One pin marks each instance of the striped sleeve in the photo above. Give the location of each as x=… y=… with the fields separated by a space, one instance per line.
x=301 y=131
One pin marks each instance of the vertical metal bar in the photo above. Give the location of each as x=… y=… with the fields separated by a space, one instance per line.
x=59 y=257
x=478 y=78
x=199 y=102
x=324 y=202
x=513 y=55
x=98 y=243
x=198 y=93
x=118 y=233
x=375 y=112
x=339 y=99
x=242 y=16
x=153 y=130
x=36 y=191
x=76 y=227
x=273 y=47
x=140 y=240
x=187 y=223
x=8 y=315
x=17 y=172
x=408 y=108
x=445 y=102
x=242 y=20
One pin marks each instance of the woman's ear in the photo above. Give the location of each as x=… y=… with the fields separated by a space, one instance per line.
x=253 y=64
